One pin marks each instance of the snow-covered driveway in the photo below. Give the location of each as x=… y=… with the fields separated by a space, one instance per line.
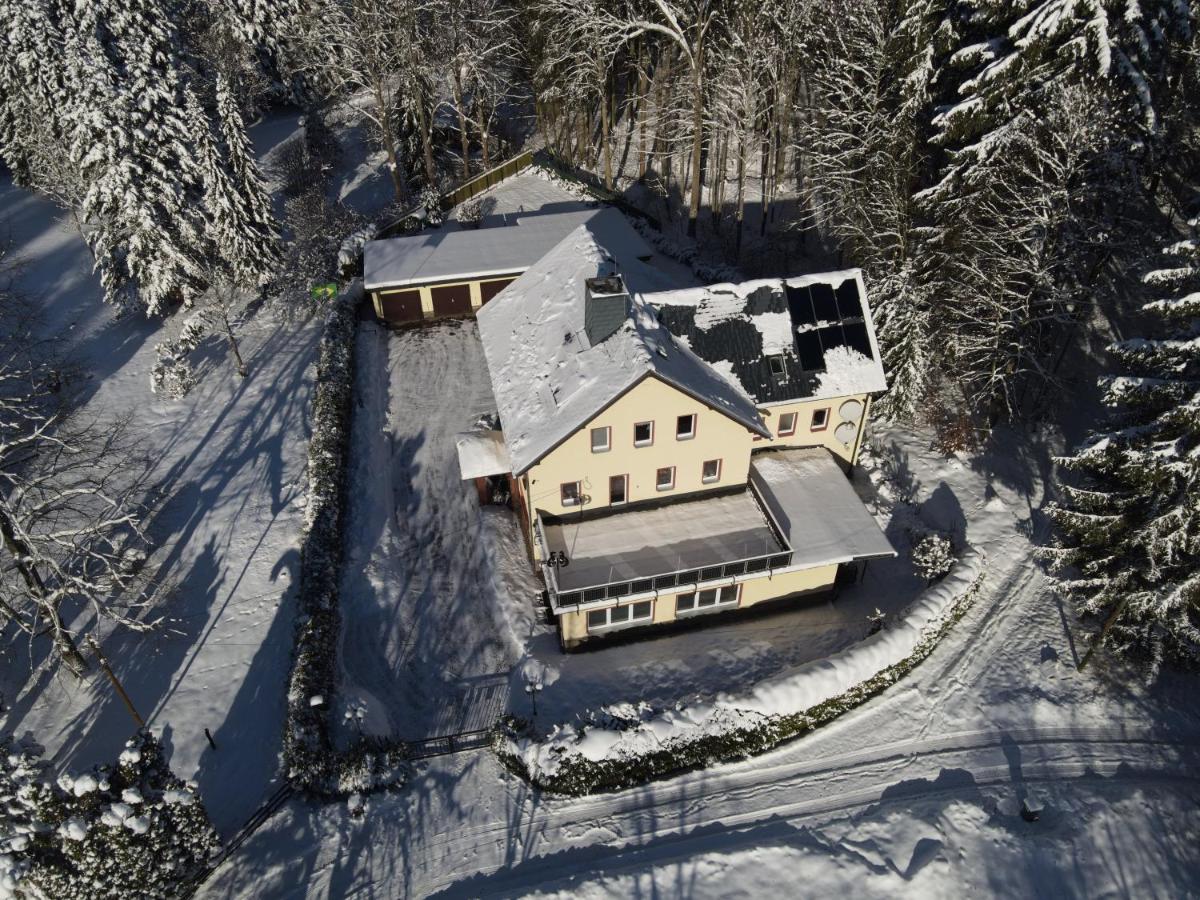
x=437 y=593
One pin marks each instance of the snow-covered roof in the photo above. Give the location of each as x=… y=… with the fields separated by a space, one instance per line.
x=818 y=327
x=482 y=453
x=816 y=508
x=549 y=381
x=450 y=253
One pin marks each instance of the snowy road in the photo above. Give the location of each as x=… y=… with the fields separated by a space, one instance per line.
x=916 y=793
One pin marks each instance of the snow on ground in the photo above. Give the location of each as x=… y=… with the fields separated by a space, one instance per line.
x=227 y=468
x=438 y=594
x=924 y=779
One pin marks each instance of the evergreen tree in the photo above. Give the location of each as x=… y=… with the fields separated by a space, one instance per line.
x=131 y=143
x=32 y=94
x=133 y=829
x=241 y=222
x=1128 y=546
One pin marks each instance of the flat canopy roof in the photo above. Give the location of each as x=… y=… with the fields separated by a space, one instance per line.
x=816 y=508
x=641 y=543
x=449 y=253
x=482 y=453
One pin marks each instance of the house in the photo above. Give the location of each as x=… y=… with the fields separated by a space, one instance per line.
x=673 y=453
x=452 y=271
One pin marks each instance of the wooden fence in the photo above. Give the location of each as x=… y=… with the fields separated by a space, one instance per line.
x=490 y=178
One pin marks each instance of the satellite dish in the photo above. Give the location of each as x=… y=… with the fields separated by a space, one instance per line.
x=851 y=411
x=846 y=432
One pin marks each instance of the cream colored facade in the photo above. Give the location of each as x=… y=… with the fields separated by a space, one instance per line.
x=751 y=591
x=806 y=434
x=716 y=437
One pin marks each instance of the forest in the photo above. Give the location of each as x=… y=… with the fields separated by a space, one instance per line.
x=1018 y=181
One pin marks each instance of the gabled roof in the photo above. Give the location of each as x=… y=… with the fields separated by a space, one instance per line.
x=818 y=328
x=450 y=253
x=549 y=381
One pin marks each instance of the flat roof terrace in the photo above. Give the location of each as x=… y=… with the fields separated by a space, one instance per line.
x=643 y=543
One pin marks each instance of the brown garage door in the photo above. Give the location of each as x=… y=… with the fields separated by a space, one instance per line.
x=401 y=306
x=489 y=289
x=452 y=300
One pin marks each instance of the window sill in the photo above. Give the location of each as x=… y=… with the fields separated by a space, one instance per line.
x=699 y=611
x=601 y=629
x=685 y=437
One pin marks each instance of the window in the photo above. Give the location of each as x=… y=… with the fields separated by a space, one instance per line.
x=787 y=424
x=617 y=485
x=685 y=427
x=601 y=440
x=711 y=471
x=778 y=366
x=570 y=493
x=820 y=419
x=710 y=598
x=643 y=434
x=664 y=479
x=619 y=616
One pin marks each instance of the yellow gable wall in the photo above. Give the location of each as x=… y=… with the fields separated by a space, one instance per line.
x=717 y=437
x=805 y=436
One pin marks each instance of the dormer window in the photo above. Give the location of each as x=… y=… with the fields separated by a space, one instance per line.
x=778 y=366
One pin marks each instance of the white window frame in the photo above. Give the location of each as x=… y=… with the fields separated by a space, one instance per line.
x=638 y=443
x=720 y=465
x=610 y=625
x=787 y=432
x=607 y=439
x=721 y=599
x=662 y=487
x=690 y=434
x=562 y=494
x=812 y=422
x=611 y=501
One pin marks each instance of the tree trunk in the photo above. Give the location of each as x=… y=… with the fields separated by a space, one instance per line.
x=741 y=193
x=605 y=127
x=697 y=141
x=717 y=200
x=642 y=104
x=464 y=137
x=233 y=344
x=389 y=143
x=425 y=123
x=21 y=553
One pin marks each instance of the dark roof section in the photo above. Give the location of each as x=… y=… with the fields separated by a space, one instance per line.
x=824 y=311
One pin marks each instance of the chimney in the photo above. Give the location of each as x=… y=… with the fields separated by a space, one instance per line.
x=606 y=306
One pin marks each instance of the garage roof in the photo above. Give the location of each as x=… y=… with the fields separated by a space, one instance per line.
x=482 y=453
x=451 y=253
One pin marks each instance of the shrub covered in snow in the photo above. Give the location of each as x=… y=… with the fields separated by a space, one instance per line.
x=310 y=759
x=687 y=253
x=133 y=829
x=470 y=212
x=626 y=745
x=933 y=556
x=431 y=201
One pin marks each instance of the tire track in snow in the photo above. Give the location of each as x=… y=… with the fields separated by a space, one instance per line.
x=745 y=793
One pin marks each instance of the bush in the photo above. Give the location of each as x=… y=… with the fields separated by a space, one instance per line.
x=130 y=829
x=933 y=556
x=470 y=212
x=310 y=759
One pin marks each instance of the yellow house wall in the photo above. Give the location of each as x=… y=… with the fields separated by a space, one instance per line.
x=756 y=590
x=805 y=436
x=717 y=437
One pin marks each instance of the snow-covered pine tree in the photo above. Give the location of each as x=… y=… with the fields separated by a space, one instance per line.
x=1017 y=215
x=131 y=142
x=267 y=30
x=32 y=96
x=244 y=228
x=870 y=73
x=117 y=831
x=1128 y=521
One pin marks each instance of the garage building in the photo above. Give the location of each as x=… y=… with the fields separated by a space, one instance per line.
x=453 y=271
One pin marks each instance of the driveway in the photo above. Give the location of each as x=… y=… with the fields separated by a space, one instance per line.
x=437 y=592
